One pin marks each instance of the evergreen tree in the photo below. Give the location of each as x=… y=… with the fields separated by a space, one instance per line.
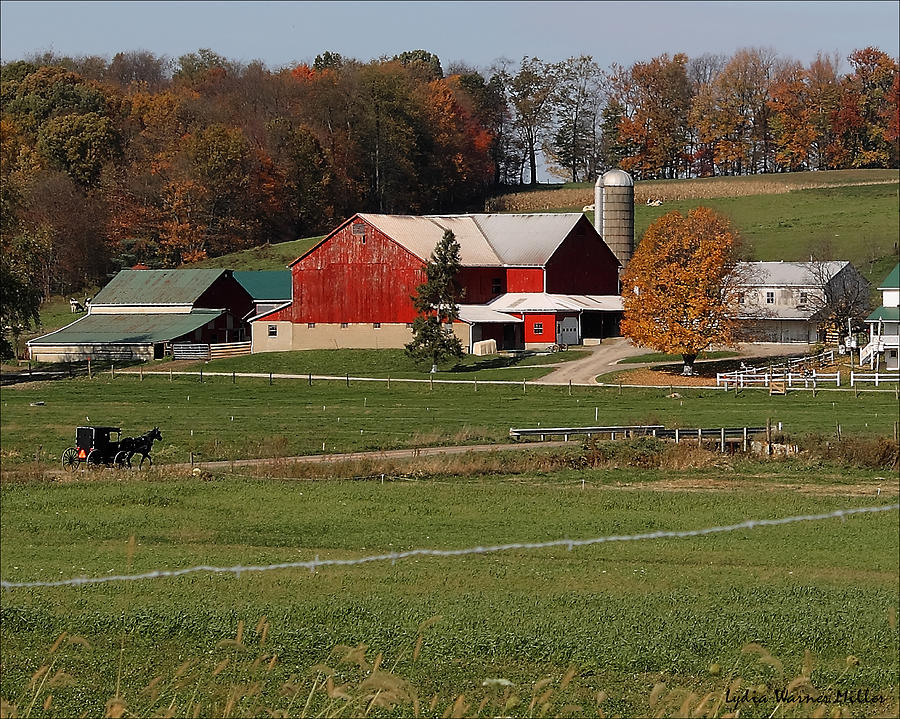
x=435 y=301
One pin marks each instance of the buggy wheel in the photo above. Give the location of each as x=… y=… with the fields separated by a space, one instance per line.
x=121 y=460
x=94 y=459
x=70 y=459
x=563 y=347
x=553 y=348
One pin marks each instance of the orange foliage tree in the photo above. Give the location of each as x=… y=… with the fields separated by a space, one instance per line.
x=680 y=287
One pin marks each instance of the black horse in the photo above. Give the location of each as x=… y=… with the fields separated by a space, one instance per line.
x=140 y=445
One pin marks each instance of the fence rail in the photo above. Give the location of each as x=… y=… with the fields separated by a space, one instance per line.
x=765 y=378
x=191 y=351
x=679 y=434
x=876 y=377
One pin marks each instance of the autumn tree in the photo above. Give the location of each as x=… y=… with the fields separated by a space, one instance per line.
x=436 y=302
x=680 y=287
x=577 y=99
x=531 y=96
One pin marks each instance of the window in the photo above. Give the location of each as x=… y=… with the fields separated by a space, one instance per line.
x=376 y=325
x=344 y=325
x=804 y=298
x=273 y=330
x=359 y=230
x=310 y=325
x=539 y=328
x=496 y=286
x=770 y=298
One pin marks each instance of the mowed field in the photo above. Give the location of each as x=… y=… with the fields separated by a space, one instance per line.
x=525 y=632
x=218 y=419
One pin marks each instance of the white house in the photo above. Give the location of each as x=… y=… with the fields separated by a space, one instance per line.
x=884 y=326
x=787 y=301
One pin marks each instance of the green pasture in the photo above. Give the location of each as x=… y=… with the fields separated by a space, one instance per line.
x=221 y=419
x=393 y=363
x=625 y=615
x=860 y=224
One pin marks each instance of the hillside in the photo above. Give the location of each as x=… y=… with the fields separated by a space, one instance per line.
x=849 y=214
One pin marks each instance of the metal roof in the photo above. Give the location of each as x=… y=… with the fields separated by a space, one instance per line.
x=272 y=285
x=787 y=274
x=157 y=287
x=128 y=328
x=545 y=302
x=487 y=240
x=483 y=314
x=885 y=314
x=892 y=281
x=527 y=239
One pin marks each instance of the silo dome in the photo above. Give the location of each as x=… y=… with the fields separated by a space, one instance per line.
x=616 y=178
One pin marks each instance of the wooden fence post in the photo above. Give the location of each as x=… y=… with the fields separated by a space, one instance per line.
x=112 y=370
x=232 y=377
x=201 y=375
x=768 y=435
x=270 y=379
x=89 y=368
x=141 y=370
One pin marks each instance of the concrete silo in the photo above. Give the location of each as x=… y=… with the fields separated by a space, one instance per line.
x=614 y=212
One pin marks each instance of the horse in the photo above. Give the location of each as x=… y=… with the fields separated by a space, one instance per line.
x=140 y=445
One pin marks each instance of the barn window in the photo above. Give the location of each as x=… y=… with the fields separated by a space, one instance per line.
x=770 y=298
x=344 y=325
x=539 y=328
x=273 y=330
x=376 y=325
x=495 y=286
x=804 y=298
x=310 y=324
x=359 y=230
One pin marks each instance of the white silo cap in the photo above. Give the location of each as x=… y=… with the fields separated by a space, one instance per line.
x=616 y=178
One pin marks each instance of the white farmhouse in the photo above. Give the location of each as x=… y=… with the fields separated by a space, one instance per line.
x=789 y=301
x=884 y=326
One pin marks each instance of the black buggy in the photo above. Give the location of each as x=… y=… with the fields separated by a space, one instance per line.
x=95 y=446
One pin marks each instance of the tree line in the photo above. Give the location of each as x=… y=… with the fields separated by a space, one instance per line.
x=145 y=160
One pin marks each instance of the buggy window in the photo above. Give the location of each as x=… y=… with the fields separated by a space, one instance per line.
x=84 y=437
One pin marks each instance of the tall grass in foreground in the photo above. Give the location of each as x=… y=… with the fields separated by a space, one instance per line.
x=242 y=677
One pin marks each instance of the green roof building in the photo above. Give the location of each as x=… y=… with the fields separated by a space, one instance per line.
x=884 y=327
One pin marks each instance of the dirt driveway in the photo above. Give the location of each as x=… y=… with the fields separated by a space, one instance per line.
x=604 y=357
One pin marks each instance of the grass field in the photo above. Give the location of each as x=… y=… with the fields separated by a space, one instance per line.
x=217 y=419
x=627 y=616
x=393 y=363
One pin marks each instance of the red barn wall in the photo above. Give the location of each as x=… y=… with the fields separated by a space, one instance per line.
x=226 y=292
x=346 y=279
x=478 y=283
x=549 y=333
x=583 y=264
x=522 y=279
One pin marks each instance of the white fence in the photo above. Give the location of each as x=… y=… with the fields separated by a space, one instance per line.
x=805 y=379
x=876 y=377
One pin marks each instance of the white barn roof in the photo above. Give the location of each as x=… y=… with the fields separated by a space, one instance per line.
x=487 y=240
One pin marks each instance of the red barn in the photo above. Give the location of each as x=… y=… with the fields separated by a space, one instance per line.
x=528 y=279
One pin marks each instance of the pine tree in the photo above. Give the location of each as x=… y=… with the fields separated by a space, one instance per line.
x=435 y=301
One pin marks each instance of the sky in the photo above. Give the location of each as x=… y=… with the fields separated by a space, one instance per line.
x=474 y=33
